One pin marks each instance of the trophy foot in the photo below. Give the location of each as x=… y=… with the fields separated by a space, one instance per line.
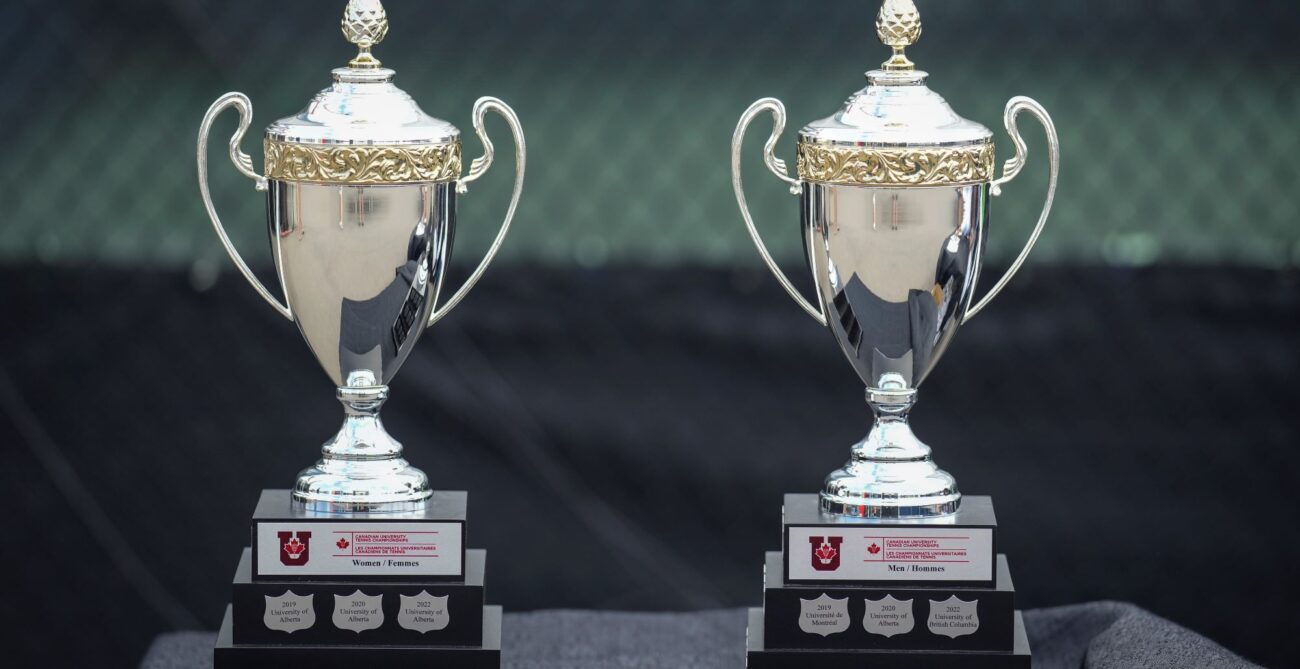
x=361 y=469
x=891 y=474
x=890 y=489
x=341 y=486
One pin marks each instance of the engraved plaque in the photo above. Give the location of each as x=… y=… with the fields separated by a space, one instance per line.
x=824 y=615
x=954 y=617
x=888 y=616
x=358 y=612
x=423 y=612
x=289 y=612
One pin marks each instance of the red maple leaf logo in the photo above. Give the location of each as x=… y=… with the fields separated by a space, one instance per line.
x=873 y=549
x=825 y=553
x=294 y=547
x=343 y=543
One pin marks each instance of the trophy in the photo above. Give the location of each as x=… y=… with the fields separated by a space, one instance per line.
x=361 y=563
x=889 y=564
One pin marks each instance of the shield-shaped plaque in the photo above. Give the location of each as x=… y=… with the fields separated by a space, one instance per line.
x=953 y=617
x=824 y=615
x=423 y=612
x=358 y=611
x=289 y=612
x=888 y=616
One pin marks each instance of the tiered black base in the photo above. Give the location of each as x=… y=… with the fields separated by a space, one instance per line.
x=900 y=617
x=228 y=655
x=863 y=593
x=759 y=657
x=420 y=614
x=359 y=590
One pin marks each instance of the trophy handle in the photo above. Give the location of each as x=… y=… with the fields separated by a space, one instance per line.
x=478 y=168
x=777 y=167
x=1011 y=169
x=245 y=166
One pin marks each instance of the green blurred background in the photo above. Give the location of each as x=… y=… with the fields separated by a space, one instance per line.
x=1177 y=119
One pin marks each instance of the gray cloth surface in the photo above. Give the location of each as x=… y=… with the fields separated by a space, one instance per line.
x=1098 y=635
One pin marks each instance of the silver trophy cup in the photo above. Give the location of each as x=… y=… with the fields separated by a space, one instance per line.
x=895 y=205
x=361 y=206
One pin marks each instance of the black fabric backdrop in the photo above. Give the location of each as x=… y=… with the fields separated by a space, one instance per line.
x=1097 y=635
x=626 y=436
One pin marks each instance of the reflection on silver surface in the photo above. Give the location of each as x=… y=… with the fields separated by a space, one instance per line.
x=361 y=209
x=898 y=268
x=361 y=268
x=895 y=191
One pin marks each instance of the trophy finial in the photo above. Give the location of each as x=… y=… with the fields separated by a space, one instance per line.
x=899 y=26
x=364 y=24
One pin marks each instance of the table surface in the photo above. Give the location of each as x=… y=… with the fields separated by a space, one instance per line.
x=1097 y=635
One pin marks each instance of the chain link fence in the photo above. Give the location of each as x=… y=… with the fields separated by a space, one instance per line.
x=1176 y=119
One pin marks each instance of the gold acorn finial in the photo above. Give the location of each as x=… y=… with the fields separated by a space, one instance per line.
x=899 y=26
x=364 y=24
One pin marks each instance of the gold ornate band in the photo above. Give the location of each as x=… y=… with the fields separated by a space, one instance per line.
x=865 y=166
x=362 y=164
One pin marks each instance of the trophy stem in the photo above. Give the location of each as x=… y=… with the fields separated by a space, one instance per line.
x=362 y=469
x=890 y=473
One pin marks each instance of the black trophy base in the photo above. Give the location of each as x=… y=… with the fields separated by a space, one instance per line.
x=887 y=617
x=759 y=657
x=227 y=655
x=409 y=614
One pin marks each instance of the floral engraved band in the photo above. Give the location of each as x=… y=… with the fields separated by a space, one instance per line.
x=362 y=164
x=922 y=166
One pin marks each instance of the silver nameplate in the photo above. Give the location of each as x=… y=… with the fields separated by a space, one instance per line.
x=289 y=612
x=953 y=617
x=358 y=612
x=888 y=617
x=824 y=615
x=349 y=549
x=423 y=613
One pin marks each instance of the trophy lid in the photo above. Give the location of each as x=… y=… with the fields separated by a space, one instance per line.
x=896 y=131
x=363 y=107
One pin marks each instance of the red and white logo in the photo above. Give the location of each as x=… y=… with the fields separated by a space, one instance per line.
x=294 y=549
x=825 y=552
x=873 y=548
